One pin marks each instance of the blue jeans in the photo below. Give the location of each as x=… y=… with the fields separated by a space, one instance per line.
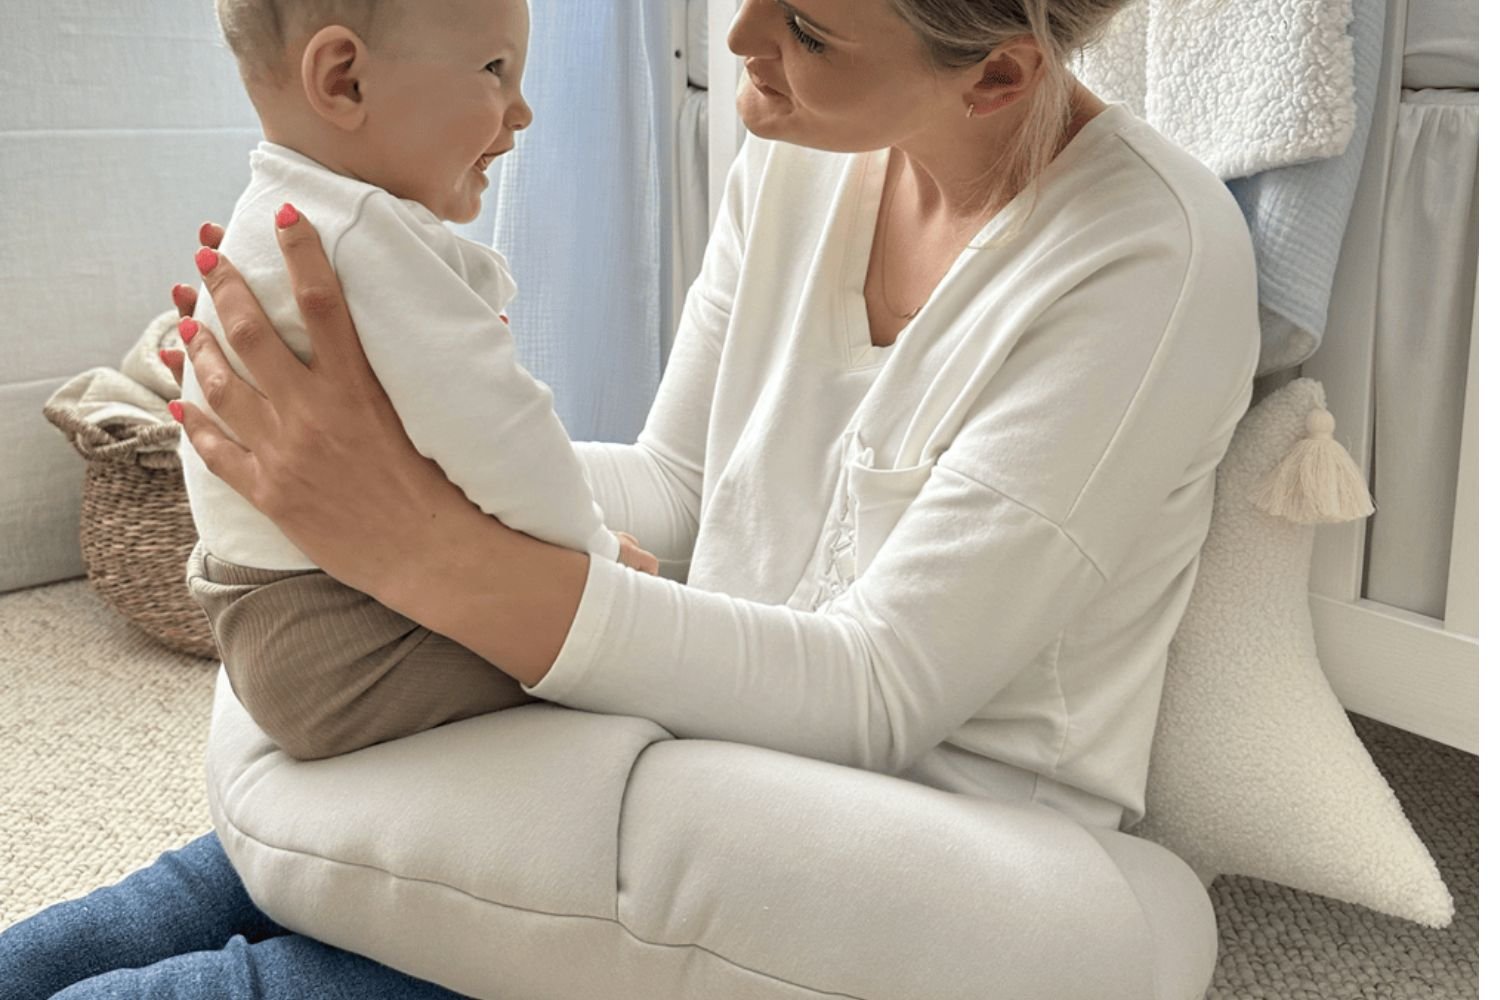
x=184 y=929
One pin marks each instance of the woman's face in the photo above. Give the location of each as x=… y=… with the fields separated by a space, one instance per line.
x=842 y=75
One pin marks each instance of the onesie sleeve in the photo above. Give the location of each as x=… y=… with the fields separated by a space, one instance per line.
x=447 y=362
x=1002 y=545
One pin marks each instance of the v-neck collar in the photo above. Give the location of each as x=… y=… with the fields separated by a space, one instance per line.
x=869 y=188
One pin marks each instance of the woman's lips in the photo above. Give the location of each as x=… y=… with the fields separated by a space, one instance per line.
x=763 y=87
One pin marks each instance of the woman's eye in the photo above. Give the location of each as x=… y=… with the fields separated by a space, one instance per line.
x=807 y=41
x=496 y=68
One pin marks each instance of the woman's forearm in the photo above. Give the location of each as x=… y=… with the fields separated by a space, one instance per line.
x=501 y=593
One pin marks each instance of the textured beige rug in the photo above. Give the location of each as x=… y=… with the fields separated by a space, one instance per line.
x=102 y=731
x=101 y=743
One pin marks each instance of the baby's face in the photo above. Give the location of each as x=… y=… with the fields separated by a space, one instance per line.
x=444 y=101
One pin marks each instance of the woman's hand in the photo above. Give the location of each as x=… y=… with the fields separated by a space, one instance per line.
x=185 y=297
x=318 y=449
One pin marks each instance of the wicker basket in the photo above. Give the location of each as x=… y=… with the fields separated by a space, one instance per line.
x=137 y=530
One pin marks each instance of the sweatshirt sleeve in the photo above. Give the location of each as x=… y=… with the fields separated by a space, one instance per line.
x=448 y=364
x=638 y=494
x=653 y=488
x=914 y=648
x=1000 y=548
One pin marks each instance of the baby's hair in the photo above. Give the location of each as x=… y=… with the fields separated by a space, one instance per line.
x=258 y=31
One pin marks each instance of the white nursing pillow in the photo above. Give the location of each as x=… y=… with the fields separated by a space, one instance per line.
x=545 y=853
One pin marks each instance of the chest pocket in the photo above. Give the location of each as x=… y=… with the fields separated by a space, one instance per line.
x=867 y=502
x=877 y=499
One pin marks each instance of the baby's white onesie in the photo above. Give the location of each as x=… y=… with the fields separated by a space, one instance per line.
x=427 y=305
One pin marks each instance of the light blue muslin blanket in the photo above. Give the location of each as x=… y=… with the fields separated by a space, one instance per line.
x=1298 y=215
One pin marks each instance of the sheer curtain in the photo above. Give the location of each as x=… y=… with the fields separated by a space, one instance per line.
x=582 y=211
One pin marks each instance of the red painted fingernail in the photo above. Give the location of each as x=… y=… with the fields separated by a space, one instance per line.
x=206 y=233
x=206 y=260
x=176 y=410
x=287 y=217
x=188 y=328
x=165 y=358
x=180 y=293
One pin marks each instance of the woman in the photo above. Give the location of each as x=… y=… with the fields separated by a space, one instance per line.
x=938 y=435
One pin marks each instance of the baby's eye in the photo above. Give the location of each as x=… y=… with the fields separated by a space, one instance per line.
x=495 y=67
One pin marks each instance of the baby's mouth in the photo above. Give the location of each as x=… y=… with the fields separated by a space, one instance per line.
x=483 y=163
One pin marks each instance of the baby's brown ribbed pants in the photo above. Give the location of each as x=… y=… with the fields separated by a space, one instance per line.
x=325 y=669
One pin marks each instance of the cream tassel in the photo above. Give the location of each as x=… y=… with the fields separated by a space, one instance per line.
x=1317 y=482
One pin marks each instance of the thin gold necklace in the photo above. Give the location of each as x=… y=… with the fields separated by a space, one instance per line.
x=885 y=294
x=885 y=237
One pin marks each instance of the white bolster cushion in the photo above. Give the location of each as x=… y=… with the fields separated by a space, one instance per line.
x=543 y=852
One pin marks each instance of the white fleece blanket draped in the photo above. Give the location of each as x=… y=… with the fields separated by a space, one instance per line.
x=1245 y=86
x=1277 y=97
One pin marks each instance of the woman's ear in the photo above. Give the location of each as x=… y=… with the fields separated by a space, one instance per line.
x=332 y=63
x=1006 y=76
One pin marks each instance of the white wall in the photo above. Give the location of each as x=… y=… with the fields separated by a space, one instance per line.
x=123 y=125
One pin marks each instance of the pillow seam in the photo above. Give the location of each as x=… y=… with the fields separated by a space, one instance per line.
x=546 y=913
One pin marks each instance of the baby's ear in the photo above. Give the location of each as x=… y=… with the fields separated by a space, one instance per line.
x=332 y=63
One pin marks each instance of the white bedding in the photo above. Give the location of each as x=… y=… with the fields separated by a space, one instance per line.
x=697 y=42
x=1424 y=316
x=1442 y=45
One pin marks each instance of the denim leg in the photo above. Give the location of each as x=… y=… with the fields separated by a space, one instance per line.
x=290 y=967
x=188 y=900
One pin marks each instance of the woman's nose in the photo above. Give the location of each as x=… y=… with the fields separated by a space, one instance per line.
x=748 y=35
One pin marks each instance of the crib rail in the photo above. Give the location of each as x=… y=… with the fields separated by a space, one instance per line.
x=1462 y=612
x=1405 y=669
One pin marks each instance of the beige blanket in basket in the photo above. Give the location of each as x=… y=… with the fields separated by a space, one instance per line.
x=105 y=405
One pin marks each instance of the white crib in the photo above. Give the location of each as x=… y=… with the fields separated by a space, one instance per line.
x=1413 y=670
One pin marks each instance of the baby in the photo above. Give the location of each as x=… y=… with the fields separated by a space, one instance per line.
x=380 y=119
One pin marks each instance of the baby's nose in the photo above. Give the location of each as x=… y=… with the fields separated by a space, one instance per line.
x=520 y=116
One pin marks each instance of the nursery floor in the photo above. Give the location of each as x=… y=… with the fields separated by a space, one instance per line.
x=101 y=740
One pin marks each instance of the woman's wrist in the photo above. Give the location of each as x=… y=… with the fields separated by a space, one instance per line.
x=499 y=592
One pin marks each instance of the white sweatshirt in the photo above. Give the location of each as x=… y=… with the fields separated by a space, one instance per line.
x=960 y=558
x=427 y=305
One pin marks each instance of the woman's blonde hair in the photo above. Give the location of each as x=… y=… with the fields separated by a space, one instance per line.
x=962 y=33
x=259 y=31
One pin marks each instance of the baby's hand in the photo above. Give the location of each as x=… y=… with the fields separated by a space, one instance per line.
x=632 y=555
